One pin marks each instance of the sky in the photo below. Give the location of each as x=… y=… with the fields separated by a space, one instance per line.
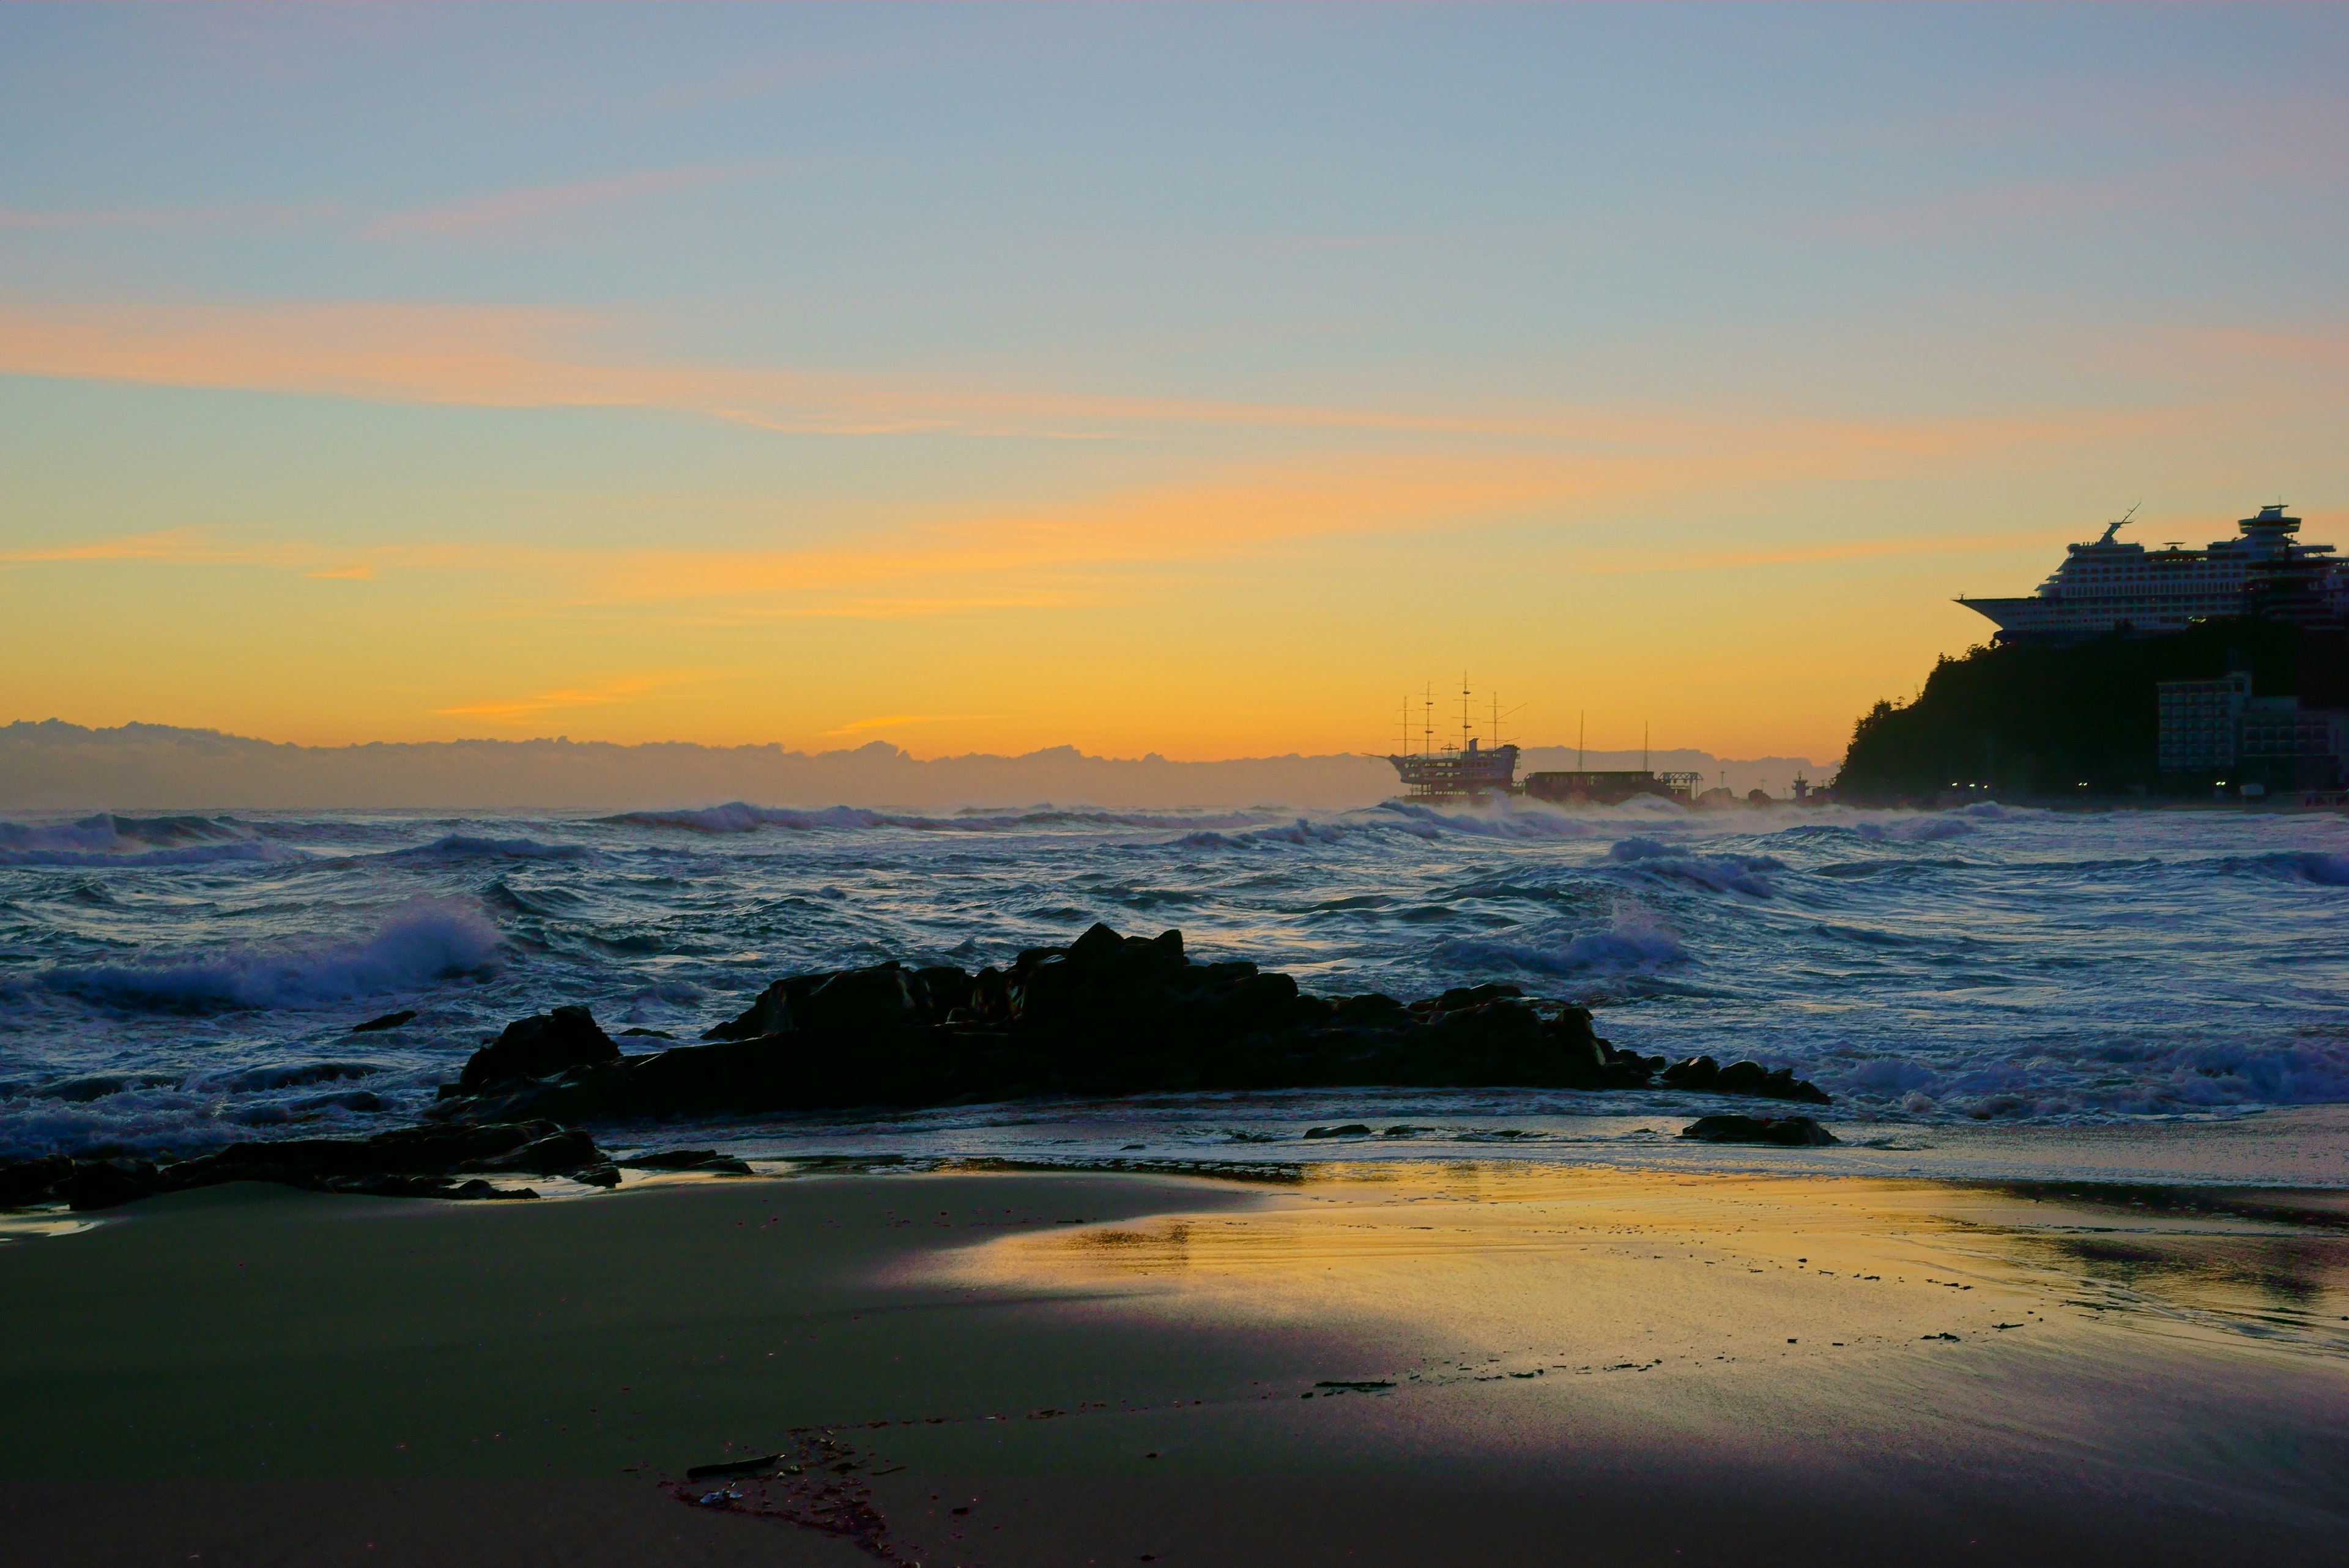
x=1191 y=380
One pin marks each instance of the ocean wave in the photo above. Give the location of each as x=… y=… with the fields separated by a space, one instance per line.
x=1915 y=829
x=106 y=832
x=282 y=1075
x=190 y=855
x=1499 y=821
x=742 y=817
x=1633 y=941
x=2198 y=1076
x=2325 y=870
x=1722 y=874
x=418 y=945
x=466 y=846
x=109 y=840
x=171 y=1124
x=1302 y=832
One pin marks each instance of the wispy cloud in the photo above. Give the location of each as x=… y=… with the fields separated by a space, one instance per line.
x=246 y=216
x=530 y=357
x=601 y=695
x=174 y=547
x=504 y=208
x=1137 y=544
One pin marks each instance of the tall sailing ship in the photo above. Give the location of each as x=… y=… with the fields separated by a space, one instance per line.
x=1464 y=769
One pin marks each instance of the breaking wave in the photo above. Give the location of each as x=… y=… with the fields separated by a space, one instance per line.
x=418 y=945
x=2152 y=1079
x=1722 y=874
x=2297 y=865
x=2070 y=966
x=1633 y=941
x=107 y=840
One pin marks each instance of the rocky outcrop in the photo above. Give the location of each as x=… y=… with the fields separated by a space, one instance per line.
x=1704 y=1075
x=530 y=1048
x=414 y=1162
x=1105 y=1015
x=1789 y=1132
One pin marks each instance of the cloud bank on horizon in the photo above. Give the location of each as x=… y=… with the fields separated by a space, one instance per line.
x=1190 y=381
x=52 y=766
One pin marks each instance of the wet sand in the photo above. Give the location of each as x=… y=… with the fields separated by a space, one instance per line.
x=1580 y=1365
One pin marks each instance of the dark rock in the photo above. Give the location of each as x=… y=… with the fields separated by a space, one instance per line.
x=107 y=1184
x=1371 y=1009
x=769 y=1014
x=23 y=1181
x=598 y=1176
x=671 y=1159
x=1741 y=1078
x=363 y=1102
x=1105 y=1015
x=1461 y=996
x=386 y=1185
x=859 y=1001
x=646 y=1034
x=1701 y=1075
x=409 y=1162
x=1791 y=1132
x=941 y=990
x=1782 y=1085
x=1351 y=1129
x=478 y=1189
x=735 y=1468
x=388 y=1020
x=990 y=997
x=538 y=1047
x=1698 y=1074
x=551 y=1156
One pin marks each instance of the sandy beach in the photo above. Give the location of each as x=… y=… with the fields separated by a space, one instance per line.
x=1382 y=1361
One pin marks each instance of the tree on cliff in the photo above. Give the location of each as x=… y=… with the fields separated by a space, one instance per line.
x=2030 y=719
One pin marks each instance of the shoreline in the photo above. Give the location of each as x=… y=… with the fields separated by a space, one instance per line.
x=1663 y=1365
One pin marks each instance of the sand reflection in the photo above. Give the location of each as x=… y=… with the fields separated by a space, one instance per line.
x=1522 y=1270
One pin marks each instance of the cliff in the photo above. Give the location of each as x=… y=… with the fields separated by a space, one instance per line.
x=2032 y=720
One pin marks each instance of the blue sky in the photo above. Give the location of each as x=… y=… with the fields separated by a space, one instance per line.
x=1071 y=374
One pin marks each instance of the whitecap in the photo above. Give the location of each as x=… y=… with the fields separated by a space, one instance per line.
x=420 y=944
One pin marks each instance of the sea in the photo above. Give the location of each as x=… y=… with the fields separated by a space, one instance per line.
x=172 y=983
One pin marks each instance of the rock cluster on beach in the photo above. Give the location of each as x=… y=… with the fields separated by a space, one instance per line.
x=413 y=1162
x=1105 y=1015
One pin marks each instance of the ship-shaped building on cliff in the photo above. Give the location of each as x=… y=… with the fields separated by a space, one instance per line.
x=2111 y=586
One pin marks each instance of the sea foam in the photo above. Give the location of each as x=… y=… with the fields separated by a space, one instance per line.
x=418 y=945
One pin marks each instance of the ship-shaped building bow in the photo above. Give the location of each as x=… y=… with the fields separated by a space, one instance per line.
x=2111 y=586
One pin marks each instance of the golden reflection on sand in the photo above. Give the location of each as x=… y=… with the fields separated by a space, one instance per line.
x=1540 y=1270
x=32 y=1227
